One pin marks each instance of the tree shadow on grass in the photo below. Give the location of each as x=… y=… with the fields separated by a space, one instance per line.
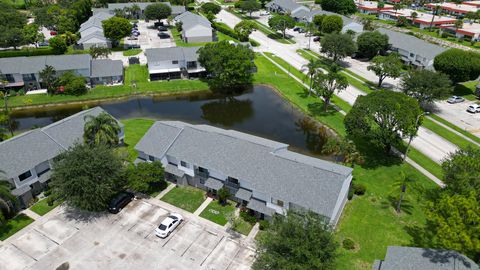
x=391 y=202
x=317 y=109
x=374 y=156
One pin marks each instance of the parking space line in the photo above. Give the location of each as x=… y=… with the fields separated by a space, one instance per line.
x=211 y=251
x=233 y=257
x=19 y=249
x=44 y=235
x=175 y=232
x=189 y=246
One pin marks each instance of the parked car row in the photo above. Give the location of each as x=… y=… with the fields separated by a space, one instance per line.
x=162 y=31
x=166 y=227
x=474 y=108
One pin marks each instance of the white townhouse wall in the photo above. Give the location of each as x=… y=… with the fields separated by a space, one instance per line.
x=262 y=175
x=27 y=159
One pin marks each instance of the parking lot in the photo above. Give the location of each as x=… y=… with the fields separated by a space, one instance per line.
x=457 y=114
x=123 y=241
x=148 y=37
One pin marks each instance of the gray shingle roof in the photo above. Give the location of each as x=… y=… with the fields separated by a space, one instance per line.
x=213 y=183
x=243 y=194
x=412 y=44
x=172 y=53
x=287 y=5
x=190 y=20
x=106 y=68
x=266 y=165
x=260 y=206
x=95 y=35
x=411 y=258
x=25 y=151
x=34 y=64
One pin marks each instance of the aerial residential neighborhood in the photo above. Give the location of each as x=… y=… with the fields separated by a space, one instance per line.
x=240 y=134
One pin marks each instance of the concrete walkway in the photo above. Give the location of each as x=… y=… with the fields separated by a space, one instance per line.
x=203 y=206
x=165 y=191
x=31 y=214
x=251 y=236
x=453 y=130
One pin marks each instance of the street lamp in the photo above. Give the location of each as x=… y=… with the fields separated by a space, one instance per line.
x=411 y=136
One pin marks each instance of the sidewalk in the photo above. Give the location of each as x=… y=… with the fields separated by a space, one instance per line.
x=203 y=206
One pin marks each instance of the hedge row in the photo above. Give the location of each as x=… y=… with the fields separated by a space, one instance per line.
x=225 y=29
x=26 y=52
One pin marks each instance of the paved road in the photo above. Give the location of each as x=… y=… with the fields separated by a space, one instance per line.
x=427 y=142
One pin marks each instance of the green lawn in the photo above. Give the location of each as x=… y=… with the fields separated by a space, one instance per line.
x=293 y=91
x=466 y=90
x=426 y=162
x=134 y=130
x=132 y=52
x=185 y=197
x=243 y=227
x=14 y=225
x=134 y=72
x=371 y=221
x=42 y=207
x=218 y=213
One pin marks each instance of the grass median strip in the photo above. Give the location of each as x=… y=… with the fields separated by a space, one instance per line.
x=185 y=197
x=454 y=127
x=461 y=142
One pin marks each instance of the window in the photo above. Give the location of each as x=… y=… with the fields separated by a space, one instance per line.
x=25 y=175
x=277 y=202
x=151 y=158
x=44 y=171
x=183 y=164
x=175 y=62
x=10 y=78
x=203 y=170
x=232 y=180
x=412 y=55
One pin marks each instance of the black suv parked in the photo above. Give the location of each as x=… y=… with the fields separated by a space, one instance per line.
x=120 y=201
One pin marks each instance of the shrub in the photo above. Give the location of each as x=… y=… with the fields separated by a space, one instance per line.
x=248 y=217
x=350 y=194
x=264 y=224
x=21 y=92
x=223 y=28
x=348 y=244
x=459 y=65
x=359 y=189
x=50 y=200
x=26 y=52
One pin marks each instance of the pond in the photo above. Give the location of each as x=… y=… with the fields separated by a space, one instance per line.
x=259 y=111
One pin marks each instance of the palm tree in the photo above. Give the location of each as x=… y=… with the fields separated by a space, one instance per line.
x=7 y=200
x=101 y=129
x=458 y=24
x=402 y=183
x=312 y=69
x=344 y=148
x=396 y=7
x=434 y=13
x=47 y=77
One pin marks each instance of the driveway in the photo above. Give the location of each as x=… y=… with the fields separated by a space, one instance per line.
x=123 y=241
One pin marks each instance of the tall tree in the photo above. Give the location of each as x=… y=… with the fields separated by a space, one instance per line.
x=386 y=66
x=453 y=222
x=344 y=7
x=230 y=66
x=426 y=85
x=332 y=23
x=403 y=183
x=318 y=21
x=117 y=28
x=312 y=68
x=11 y=37
x=299 y=240
x=146 y=177
x=249 y=6
x=462 y=171
x=458 y=64
x=435 y=11
x=368 y=24
x=7 y=200
x=211 y=7
x=325 y=85
x=31 y=34
x=281 y=23
x=58 y=44
x=244 y=29
x=87 y=176
x=157 y=11
x=97 y=52
x=370 y=44
x=343 y=148
x=338 y=46
x=383 y=117
x=101 y=129
x=47 y=78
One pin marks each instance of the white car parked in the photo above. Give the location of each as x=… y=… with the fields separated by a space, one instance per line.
x=168 y=225
x=474 y=108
